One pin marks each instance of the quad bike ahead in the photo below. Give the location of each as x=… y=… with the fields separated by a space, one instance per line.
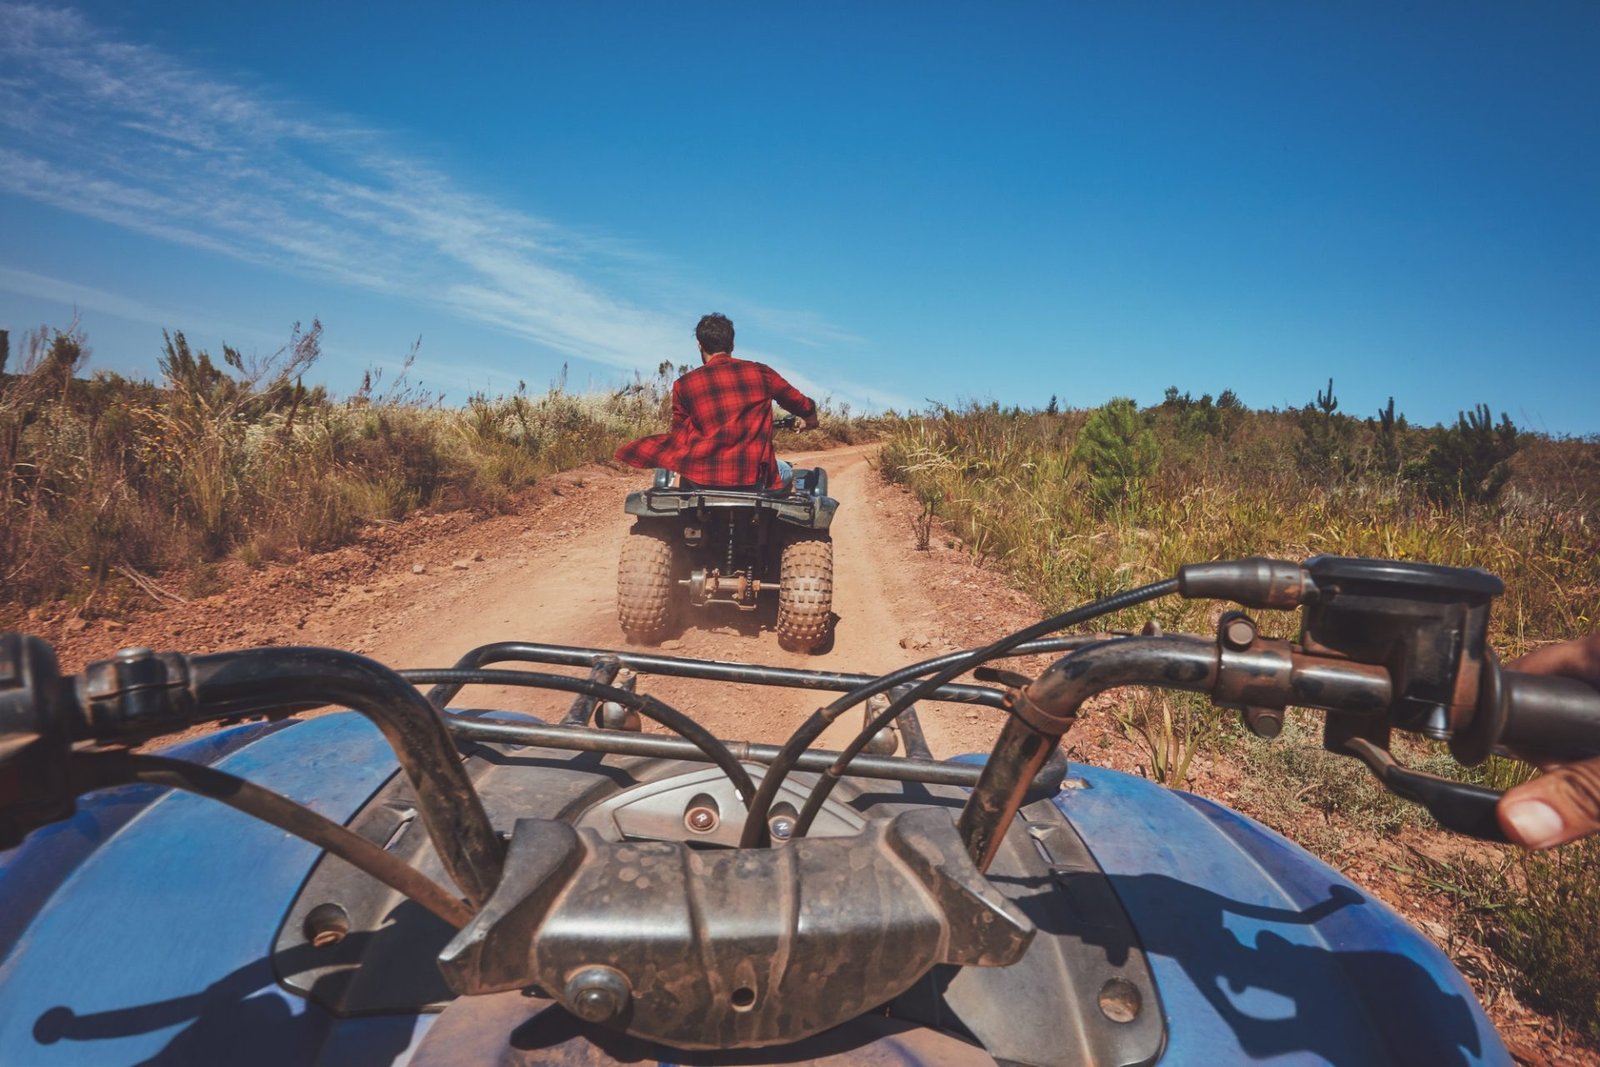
x=699 y=546
x=416 y=882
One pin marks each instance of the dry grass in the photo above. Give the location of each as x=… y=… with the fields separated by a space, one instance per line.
x=1029 y=490
x=109 y=479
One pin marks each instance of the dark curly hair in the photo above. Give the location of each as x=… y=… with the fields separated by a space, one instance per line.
x=715 y=333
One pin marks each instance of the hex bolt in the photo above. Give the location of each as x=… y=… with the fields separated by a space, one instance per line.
x=598 y=994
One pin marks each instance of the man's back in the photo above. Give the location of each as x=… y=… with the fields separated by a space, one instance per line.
x=727 y=407
x=721 y=418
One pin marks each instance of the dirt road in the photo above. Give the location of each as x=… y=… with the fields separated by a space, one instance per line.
x=562 y=589
x=421 y=593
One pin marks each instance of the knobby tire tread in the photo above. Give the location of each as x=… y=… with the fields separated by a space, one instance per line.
x=805 y=594
x=645 y=587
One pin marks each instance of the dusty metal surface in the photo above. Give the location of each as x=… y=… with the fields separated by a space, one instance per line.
x=744 y=948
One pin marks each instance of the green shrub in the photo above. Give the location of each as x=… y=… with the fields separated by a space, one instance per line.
x=1470 y=461
x=1119 y=452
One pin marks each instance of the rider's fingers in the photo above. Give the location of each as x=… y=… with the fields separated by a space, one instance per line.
x=1554 y=808
x=1574 y=659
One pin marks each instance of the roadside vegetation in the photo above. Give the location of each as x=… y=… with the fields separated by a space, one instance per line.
x=119 y=491
x=1075 y=504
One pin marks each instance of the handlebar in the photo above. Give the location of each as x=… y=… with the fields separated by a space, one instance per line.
x=1383 y=646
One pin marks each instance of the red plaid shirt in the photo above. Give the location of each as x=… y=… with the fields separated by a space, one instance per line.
x=721 y=424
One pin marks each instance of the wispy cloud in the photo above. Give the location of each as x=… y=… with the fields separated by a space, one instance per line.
x=60 y=291
x=131 y=136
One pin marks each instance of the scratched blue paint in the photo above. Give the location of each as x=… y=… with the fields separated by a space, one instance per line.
x=1260 y=951
x=155 y=948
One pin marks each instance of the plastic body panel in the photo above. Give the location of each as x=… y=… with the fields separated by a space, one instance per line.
x=1261 y=951
x=138 y=932
x=152 y=948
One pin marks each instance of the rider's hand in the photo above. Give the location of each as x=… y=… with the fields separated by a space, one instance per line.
x=810 y=422
x=1562 y=804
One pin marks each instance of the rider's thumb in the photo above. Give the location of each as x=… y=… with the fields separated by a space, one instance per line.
x=1554 y=808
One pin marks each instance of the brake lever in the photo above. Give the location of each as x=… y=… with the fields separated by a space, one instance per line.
x=1463 y=808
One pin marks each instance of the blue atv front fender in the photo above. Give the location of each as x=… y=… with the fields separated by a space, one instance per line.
x=140 y=930
x=1260 y=950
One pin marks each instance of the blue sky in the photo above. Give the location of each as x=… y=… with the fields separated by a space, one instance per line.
x=896 y=202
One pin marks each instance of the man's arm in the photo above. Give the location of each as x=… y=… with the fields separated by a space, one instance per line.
x=789 y=398
x=1563 y=804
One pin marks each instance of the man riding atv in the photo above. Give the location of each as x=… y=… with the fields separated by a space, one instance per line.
x=736 y=527
x=721 y=434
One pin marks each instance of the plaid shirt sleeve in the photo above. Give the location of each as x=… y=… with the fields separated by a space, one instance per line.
x=680 y=410
x=788 y=397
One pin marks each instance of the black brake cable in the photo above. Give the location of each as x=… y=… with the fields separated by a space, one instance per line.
x=643 y=703
x=947 y=667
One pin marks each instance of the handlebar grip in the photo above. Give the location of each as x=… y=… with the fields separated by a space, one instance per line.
x=1550 y=716
x=785 y=422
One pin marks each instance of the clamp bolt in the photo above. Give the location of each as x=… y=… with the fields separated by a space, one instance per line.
x=1238 y=632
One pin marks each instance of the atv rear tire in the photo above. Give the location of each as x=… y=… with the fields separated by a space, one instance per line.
x=805 y=594
x=645 y=587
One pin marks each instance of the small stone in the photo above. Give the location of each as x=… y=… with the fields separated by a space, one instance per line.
x=461 y=564
x=671 y=645
x=477 y=557
x=76 y=625
x=419 y=568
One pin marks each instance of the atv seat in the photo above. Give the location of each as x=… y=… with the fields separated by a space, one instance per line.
x=785 y=472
